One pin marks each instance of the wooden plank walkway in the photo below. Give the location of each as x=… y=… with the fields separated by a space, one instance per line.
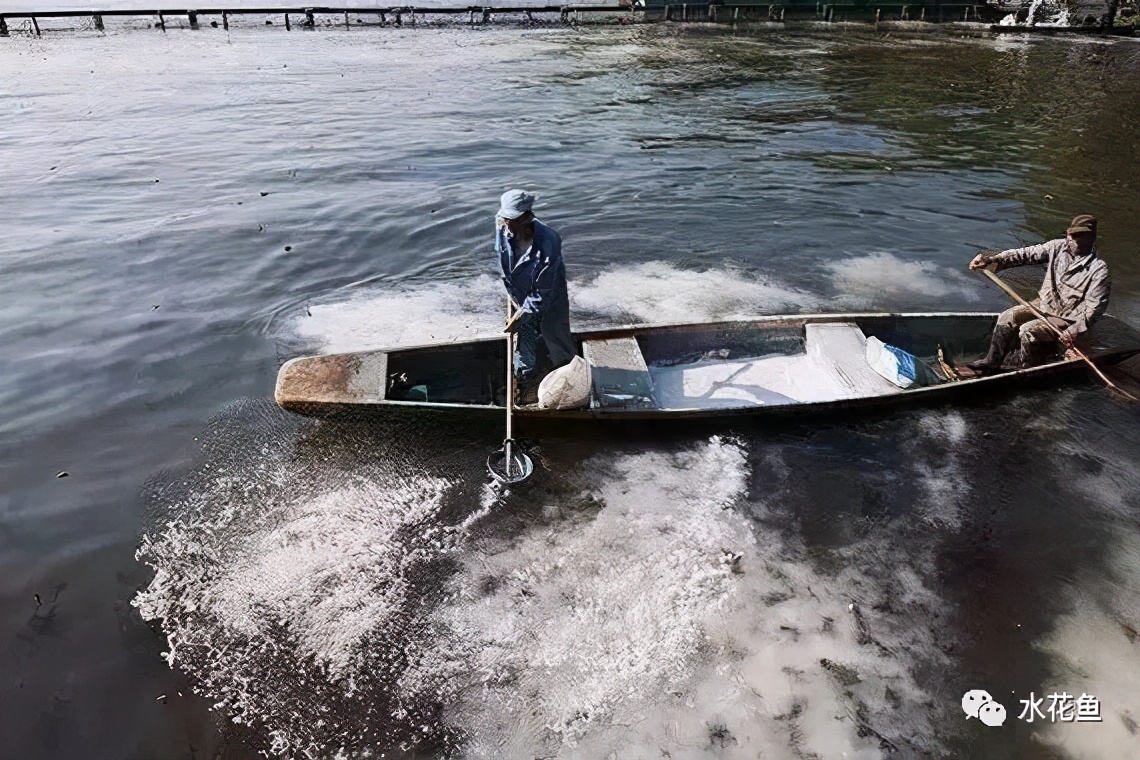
x=307 y=14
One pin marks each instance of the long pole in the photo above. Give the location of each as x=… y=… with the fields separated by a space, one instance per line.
x=510 y=387
x=1014 y=295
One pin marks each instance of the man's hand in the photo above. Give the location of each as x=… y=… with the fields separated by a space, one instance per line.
x=984 y=260
x=513 y=322
x=1067 y=338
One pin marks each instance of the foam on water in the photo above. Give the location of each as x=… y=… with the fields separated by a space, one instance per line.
x=435 y=313
x=1092 y=648
x=286 y=586
x=652 y=292
x=940 y=473
x=650 y=616
x=662 y=293
x=692 y=599
x=1093 y=651
x=583 y=621
x=884 y=279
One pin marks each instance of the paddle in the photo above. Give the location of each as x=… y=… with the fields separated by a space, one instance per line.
x=1013 y=294
x=510 y=464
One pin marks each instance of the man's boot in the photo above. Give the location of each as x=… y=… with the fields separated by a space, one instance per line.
x=1004 y=338
x=526 y=392
x=1029 y=354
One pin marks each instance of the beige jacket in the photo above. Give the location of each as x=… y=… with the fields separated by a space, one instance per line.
x=1075 y=289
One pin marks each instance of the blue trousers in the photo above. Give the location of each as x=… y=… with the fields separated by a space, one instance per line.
x=545 y=335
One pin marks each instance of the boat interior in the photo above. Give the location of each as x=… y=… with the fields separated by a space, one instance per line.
x=717 y=366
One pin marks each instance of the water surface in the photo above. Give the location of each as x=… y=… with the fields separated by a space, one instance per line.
x=185 y=211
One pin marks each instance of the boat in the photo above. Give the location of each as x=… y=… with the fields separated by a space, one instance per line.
x=756 y=366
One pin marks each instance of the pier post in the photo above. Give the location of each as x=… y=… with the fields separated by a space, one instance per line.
x=486 y=15
x=287 y=27
x=161 y=21
x=3 y=27
x=346 y=26
x=193 y=16
x=877 y=12
x=225 y=20
x=399 y=17
x=36 y=26
x=383 y=18
x=564 y=13
x=98 y=19
x=1110 y=18
x=309 y=20
x=736 y=13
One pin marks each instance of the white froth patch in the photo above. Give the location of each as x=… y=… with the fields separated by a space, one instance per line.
x=326 y=570
x=887 y=280
x=435 y=313
x=665 y=626
x=476 y=308
x=592 y=618
x=941 y=474
x=657 y=292
x=283 y=603
x=1093 y=646
x=1093 y=651
x=800 y=672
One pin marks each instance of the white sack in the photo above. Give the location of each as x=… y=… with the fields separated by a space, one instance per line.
x=567 y=387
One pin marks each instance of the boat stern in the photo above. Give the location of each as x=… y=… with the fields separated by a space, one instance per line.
x=310 y=383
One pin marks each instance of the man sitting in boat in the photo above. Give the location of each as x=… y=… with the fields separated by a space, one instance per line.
x=530 y=259
x=1073 y=296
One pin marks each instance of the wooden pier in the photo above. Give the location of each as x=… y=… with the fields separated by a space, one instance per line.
x=979 y=12
x=306 y=16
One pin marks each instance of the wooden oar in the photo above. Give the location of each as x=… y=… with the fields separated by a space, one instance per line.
x=1014 y=295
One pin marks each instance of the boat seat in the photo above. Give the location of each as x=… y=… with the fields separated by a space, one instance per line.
x=620 y=376
x=840 y=350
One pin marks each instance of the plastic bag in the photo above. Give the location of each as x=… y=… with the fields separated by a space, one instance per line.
x=567 y=387
x=900 y=367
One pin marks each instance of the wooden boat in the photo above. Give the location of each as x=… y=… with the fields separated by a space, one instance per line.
x=756 y=366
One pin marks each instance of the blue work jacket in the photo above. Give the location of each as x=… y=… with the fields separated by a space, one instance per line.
x=536 y=280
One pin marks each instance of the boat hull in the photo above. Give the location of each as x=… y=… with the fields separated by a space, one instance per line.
x=467 y=376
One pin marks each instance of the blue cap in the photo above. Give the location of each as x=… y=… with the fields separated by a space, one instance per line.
x=515 y=203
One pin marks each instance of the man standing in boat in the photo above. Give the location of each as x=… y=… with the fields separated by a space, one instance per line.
x=530 y=260
x=1073 y=296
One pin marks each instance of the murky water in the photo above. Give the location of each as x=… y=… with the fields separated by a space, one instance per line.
x=183 y=212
